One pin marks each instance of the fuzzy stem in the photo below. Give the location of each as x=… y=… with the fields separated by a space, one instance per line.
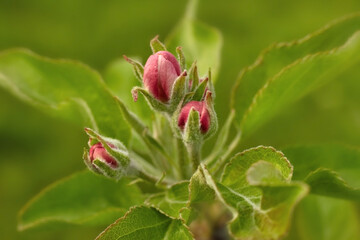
x=182 y=158
x=194 y=150
x=149 y=178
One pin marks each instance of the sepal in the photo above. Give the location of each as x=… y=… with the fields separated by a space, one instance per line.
x=137 y=67
x=209 y=102
x=211 y=85
x=178 y=92
x=88 y=163
x=181 y=58
x=156 y=45
x=192 y=132
x=107 y=171
x=153 y=102
x=200 y=90
x=193 y=77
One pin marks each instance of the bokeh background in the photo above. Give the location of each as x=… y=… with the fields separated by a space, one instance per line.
x=36 y=149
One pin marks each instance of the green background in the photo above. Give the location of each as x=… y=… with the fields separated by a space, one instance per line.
x=36 y=149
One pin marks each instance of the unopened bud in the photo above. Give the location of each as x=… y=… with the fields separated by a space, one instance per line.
x=106 y=156
x=160 y=72
x=98 y=151
x=204 y=115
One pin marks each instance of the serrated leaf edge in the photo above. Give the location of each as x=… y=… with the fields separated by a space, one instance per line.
x=299 y=61
x=280 y=45
x=282 y=156
x=142 y=206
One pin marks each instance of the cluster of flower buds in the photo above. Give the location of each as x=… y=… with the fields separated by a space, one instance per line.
x=186 y=98
x=106 y=156
x=181 y=95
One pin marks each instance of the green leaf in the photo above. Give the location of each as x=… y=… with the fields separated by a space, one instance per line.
x=186 y=198
x=202 y=195
x=322 y=218
x=143 y=223
x=286 y=72
x=263 y=210
x=200 y=190
x=67 y=88
x=81 y=199
x=331 y=170
x=235 y=172
x=171 y=201
x=263 y=172
x=199 y=42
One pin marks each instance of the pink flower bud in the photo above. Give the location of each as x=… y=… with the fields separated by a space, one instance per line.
x=204 y=115
x=97 y=151
x=160 y=72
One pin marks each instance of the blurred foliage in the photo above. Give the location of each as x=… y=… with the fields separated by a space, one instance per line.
x=37 y=149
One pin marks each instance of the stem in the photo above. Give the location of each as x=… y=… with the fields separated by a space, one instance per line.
x=194 y=150
x=147 y=177
x=181 y=158
x=165 y=160
x=146 y=171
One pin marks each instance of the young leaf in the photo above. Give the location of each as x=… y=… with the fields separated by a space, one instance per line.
x=145 y=223
x=171 y=201
x=330 y=170
x=263 y=172
x=63 y=87
x=200 y=188
x=185 y=196
x=287 y=71
x=261 y=211
x=235 y=172
x=199 y=42
x=81 y=199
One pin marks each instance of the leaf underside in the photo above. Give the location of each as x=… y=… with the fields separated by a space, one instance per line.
x=286 y=72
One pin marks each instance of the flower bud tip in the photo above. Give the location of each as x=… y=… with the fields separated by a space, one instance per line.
x=160 y=72
x=204 y=115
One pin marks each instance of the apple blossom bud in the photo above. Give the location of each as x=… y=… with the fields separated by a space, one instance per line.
x=204 y=115
x=98 y=151
x=106 y=156
x=160 y=72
